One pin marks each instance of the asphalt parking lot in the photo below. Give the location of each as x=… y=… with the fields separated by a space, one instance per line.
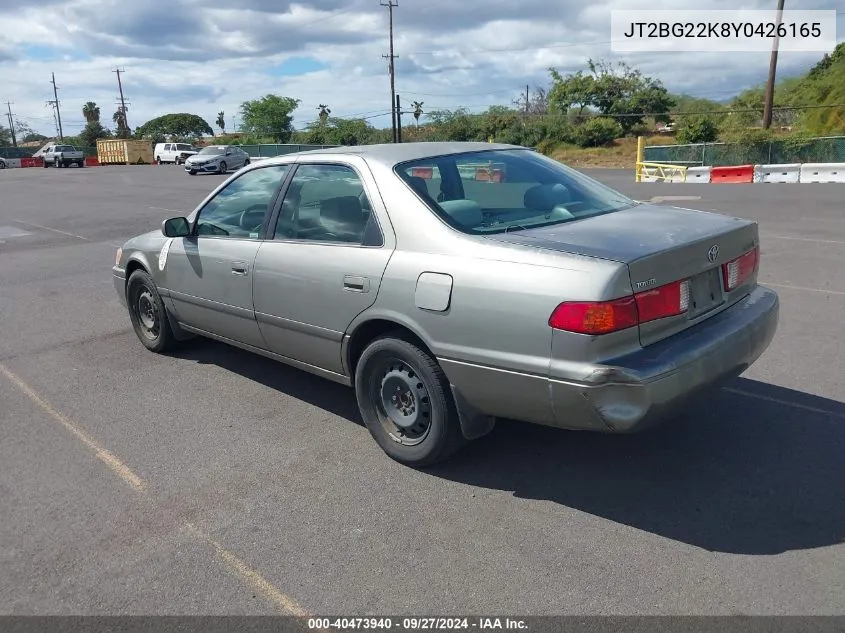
x=213 y=481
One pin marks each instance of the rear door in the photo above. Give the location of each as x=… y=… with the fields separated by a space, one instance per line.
x=324 y=261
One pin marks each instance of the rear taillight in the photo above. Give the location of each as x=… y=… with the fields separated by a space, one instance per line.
x=599 y=317
x=603 y=317
x=736 y=272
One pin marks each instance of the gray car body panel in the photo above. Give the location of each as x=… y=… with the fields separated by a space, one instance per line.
x=481 y=304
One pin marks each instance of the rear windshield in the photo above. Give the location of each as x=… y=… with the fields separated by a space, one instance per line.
x=505 y=190
x=65 y=148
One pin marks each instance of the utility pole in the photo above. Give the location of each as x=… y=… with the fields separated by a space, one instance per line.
x=58 y=111
x=773 y=64
x=526 y=98
x=390 y=4
x=12 y=124
x=398 y=120
x=122 y=101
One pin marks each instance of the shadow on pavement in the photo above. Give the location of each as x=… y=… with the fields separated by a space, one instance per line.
x=756 y=469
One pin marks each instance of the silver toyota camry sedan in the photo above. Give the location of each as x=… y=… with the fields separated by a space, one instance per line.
x=451 y=284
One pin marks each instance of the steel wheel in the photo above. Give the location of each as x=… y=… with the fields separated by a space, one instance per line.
x=403 y=403
x=147 y=313
x=148 y=317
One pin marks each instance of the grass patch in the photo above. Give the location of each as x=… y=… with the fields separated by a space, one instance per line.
x=621 y=154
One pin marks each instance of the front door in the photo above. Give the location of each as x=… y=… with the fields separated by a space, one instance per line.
x=210 y=273
x=324 y=263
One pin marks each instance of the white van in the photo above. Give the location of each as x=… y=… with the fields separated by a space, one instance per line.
x=173 y=152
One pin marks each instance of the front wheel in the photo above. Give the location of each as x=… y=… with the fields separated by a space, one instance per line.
x=406 y=403
x=223 y=167
x=192 y=172
x=147 y=313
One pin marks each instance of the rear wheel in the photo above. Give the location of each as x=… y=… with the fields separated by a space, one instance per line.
x=406 y=403
x=223 y=167
x=147 y=313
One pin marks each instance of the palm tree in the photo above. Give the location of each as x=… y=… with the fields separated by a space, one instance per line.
x=119 y=118
x=418 y=111
x=91 y=112
x=324 y=112
x=221 y=121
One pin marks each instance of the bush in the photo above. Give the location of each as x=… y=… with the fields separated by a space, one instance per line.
x=697 y=129
x=598 y=131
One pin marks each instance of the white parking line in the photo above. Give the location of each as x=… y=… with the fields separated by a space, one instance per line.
x=803 y=239
x=830 y=292
x=47 y=228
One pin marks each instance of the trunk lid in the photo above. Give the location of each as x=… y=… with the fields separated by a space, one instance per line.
x=659 y=245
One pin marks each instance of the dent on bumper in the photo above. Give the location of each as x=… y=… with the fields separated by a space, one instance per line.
x=641 y=389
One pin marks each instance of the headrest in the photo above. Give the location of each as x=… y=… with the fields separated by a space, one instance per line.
x=546 y=197
x=346 y=209
x=465 y=212
x=419 y=185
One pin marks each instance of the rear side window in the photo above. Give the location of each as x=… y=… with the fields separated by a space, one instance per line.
x=503 y=190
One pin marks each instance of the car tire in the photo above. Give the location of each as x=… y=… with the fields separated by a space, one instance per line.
x=158 y=161
x=192 y=172
x=223 y=167
x=246 y=162
x=406 y=402
x=147 y=313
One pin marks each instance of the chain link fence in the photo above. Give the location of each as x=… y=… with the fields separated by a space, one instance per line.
x=829 y=149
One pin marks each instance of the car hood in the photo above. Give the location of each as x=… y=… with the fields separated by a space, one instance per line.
x=627 y=235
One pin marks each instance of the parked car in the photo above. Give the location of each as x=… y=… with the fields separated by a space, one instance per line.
x=216 y=159
x=2 y=163
x=63 y=156
x=448 y=299
x=175 y=153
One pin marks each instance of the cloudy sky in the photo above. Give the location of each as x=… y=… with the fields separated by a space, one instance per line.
x=203 y=56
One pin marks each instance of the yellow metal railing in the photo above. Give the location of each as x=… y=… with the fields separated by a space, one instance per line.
x=658 y=172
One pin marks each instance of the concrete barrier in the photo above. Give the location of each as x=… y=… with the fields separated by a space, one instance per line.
x=698 y=174
x=822 y=172
x=788 y=173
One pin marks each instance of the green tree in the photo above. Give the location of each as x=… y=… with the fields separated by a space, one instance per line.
x=598 y=131
x=119 y=119
x=271 y=115
x=93 y=130
x=418 y=110
x=179 y=125
x=221 y=121
x=615 y=90
x=697 y=129
x=5 y=136
x=325 y=111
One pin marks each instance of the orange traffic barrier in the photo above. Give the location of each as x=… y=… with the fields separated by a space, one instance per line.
x=488 y=175
x=423 y=172
x=91 y=161
x=733 y=174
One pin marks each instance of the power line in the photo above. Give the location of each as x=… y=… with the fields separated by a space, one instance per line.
x=390 y=4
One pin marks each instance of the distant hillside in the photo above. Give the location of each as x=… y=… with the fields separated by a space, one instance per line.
x=824 y=85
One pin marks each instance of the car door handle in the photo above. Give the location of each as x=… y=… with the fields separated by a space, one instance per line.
x=240 y=268
x=353 y=283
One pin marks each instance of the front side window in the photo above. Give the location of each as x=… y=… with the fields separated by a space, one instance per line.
x=239 y=209
x=325 y=203
x=504 y=190
x=214 y=151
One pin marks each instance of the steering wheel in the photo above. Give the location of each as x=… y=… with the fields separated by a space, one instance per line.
x=244 y=217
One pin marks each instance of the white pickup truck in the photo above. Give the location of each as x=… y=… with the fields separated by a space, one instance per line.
x=62 y=156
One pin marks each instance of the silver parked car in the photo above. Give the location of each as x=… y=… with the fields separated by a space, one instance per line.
x=216 y=159
x=455 y=283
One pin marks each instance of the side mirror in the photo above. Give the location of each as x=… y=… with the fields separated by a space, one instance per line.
x=229 y=153
x=176 y=227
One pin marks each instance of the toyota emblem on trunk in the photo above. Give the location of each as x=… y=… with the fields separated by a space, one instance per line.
x=713 y=253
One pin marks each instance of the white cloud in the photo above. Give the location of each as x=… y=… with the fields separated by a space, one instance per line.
x=202 y=56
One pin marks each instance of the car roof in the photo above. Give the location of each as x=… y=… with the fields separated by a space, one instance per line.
x=392 y=153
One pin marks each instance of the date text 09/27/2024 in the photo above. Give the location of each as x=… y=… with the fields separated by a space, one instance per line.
x=418 y=624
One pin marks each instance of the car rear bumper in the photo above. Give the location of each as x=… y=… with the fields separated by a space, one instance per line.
x=119 y=279
x=632 y=392
x=644 y=388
